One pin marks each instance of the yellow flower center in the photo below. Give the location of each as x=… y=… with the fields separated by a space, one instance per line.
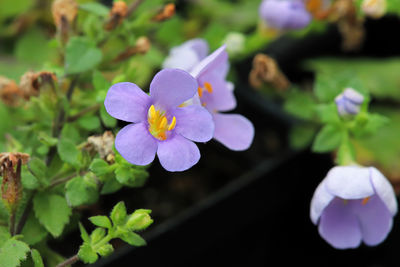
x=158 y=123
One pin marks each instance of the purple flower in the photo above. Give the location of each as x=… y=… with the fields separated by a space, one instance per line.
x=187 y=55
x=285 y=14
x=216 y=94
x=353 y=204
x=159 y=126
x=349 y=102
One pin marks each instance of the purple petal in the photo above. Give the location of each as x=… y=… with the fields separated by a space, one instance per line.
x=172 y=87
x=349 y=182
x=126 y=101
x=177 y=153
x=384 y=190
x=352 y=95
x=136 y=144
x=200 y=46
x=319 y=202
x=233 y=130
x=216 y=64
x=222 y=97
x=194 y=123
x=182 y=58
x=339 y=226
x=374 y=218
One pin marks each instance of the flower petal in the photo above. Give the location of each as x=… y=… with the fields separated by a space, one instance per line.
x=194 y=123
x=216 y=63
x=320 y=200
x=126 y=101
x=339 y=226
x=136 y=144
x=374 y=218
x=177 y=153
x=233 y=130
x=384 y=190
x=172 y=87
x=221 y=98
x=349 y=182
x=200 y=46
x=181 y=58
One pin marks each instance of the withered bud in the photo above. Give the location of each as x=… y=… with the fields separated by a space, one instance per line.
x=353 y=35
x=31 y=82
x=10 y=93
x=320 y=9
x=11 y=188
x=266 y=70
x=14 y=157
x=64 y=11
x=117 y=14
x=142 y=45
x=167 y=12
x=103 y=145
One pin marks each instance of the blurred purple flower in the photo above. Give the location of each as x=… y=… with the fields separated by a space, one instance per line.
x=285 y=14
x=349 y=102
x=353 y=204
x=187 y=55
x=216 y=94
x=159 y=126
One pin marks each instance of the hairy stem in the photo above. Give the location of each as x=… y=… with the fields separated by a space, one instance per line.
x=12 y=222
x=65 y=179
x=69 y=261
x=132 y=7
x=83 y=112
x=25 y=214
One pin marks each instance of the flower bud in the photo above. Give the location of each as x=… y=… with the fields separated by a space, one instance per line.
x=374 y=8
x=64 y=14
x=11 y=188
x=139 y=220
x=117 y=14
x=10 y=93
x=349 y=102
x=167 y=12
x=234 y=42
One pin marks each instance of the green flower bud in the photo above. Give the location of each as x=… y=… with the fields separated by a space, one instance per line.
x=139 y=220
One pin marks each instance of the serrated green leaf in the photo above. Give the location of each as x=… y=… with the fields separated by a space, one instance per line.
x=52 y=211
x=105 y=250
x=38 y=168
x=95 y=8
x=89 y=122
x=327 y=139
x=300 y=104
x=118 y=213
x=81 y=191
x=97 y=235
x=33 y=232
x=87 y=254
x=70 y=132
x=101 y=221
x=4 y=235
x=99 y=167
x=68 y=152
x=36 y=258
x=81 y=55
x=84 y=235
x=328 y=113
x=29 y=181
x=131 y=176
x=12 y=253
x=133 y=239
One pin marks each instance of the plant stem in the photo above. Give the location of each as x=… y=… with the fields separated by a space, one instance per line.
x=69 y=261
x=83 y=112
x=12 y=222
x=132 y=7
x=65 y=179
x=24 y=215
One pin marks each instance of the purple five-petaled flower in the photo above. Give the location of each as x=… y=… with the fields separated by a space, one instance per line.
x=353 y=204
x=216 y=94
x=160 y=125
x=285 y=14
x=349 y=102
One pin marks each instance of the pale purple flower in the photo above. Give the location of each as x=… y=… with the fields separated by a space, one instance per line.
x=284 y=14
x=353 y=204
x=159 y=125
x=349 y=102
x=216 y=95
x=187 y=55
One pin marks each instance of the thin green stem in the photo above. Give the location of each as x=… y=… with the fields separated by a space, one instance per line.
x=25 y=214
x=83 y=112
x=69 y=261
x=65 y=179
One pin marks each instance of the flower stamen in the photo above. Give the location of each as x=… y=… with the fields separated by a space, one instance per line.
x=365 y=200
x=158 y=123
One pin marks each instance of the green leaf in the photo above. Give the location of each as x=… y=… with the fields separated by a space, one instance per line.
x=68 y=151
x=131 y=176
x=327 y=139
x=328 y=113
x=97 y=235
x=81 y=55
x=87 y=254
x=133 y=239
x=301 y=136
x=99 y=82
x=139 y=220
x=70 y=132
x=84 y=234
x=300 y=104
x=105 y=250
x=29 y=181
x=99 y=167
x=37 y=259
x=101 y=221
x=4 y=235
x=12 y=253
x=52 y=211
x=110 y=184
x=81 y=190
x=89 y=122
x=118 y=214
x=106 y=118
x=38 y=168
x=95 y=8
x=33 y=232
x=373 y=124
